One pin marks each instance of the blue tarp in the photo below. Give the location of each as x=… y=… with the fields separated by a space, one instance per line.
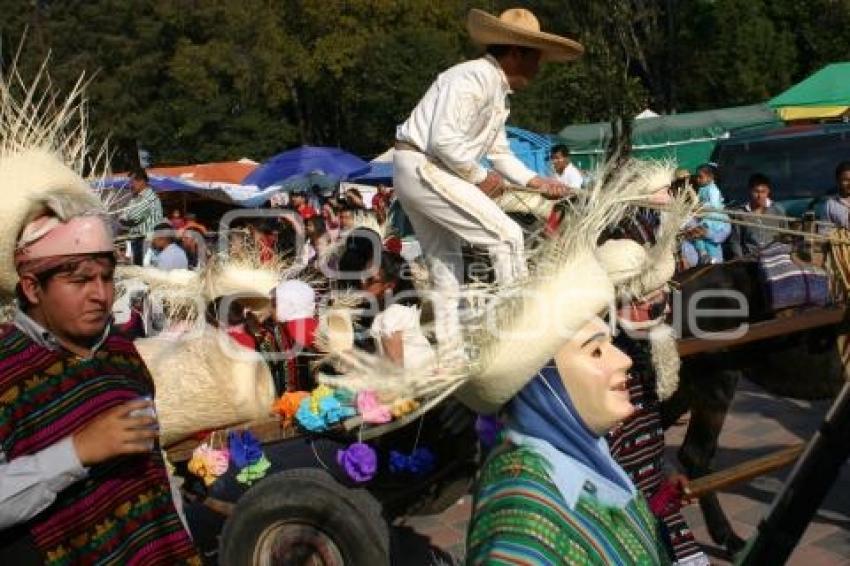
x=330 y=161
x=379 y=172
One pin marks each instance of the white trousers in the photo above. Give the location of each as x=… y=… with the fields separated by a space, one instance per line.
x=445 y=211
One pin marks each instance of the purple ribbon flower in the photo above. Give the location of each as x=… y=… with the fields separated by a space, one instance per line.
x=359 y=461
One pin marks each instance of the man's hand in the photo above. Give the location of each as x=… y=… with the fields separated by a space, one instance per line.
x=681 y=482
x=492 y=185
x=550 y=188
x=115 y=433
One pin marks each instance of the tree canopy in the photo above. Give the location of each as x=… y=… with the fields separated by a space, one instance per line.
x=193 y=80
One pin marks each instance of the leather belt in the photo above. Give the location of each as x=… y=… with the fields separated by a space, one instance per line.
x=406 y=146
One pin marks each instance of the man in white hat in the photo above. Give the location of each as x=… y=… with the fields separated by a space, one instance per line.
x=438 y=176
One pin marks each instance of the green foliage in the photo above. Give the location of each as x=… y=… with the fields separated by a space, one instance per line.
x=199 y=80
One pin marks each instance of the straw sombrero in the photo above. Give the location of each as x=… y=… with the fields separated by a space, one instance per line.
x=518 y=26
x=573 y=280
x=43 y=152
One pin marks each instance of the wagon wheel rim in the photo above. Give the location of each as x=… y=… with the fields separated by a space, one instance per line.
x=296 y=543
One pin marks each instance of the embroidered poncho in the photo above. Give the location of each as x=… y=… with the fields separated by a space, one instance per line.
x=122 y=512
x=520 y=517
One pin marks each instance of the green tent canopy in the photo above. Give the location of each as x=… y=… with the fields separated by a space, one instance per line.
x=688 y=139
x=823 y=95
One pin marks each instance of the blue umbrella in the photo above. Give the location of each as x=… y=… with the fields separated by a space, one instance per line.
x=159 y=183
x=378 y=172
x=331 y=161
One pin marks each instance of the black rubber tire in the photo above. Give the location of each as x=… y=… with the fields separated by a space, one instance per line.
x=350 y=517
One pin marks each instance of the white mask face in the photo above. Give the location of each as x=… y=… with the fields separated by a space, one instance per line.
x=594 y=374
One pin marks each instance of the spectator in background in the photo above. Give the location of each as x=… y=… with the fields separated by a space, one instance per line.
x=748 y=240
x=192 y=223
x=194 y=245
x=396 y=329
x=318 y=239
x=143 y=213
x=382 y=201
x=565 y=171
x=705 y=236
x=298 y=200
x=167 y=255
x=134 y=327
x=838 y=206
x=347 y=220
x=354 y=198
x=266 y=241
x=176 y=219
x=330 y=215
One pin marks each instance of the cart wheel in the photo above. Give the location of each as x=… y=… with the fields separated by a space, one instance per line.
x=304 y=516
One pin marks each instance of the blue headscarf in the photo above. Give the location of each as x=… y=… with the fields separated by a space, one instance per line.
x=546 y=412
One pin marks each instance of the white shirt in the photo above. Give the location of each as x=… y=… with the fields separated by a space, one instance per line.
x=461 y=119
x=405 y=319
x=570 y=176
x=171 y=257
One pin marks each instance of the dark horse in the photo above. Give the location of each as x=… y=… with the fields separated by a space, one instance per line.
x=803 y=364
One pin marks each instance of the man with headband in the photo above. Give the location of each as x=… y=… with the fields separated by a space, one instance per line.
x=82 y=479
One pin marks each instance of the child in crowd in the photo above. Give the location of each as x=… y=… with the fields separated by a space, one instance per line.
x=396 y=328
x=705 y=236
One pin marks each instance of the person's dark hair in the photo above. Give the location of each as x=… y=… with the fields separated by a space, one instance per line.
x=757 y=179
x=165 y=230
x=708 y=168
x=499 y=51
x=842 y=168
x=359 y=249
x=350 y=196
x=287 y=237
x=139 y=174
x=44 y=277
x=318 y=224
x=559 y=148
x=396 y=269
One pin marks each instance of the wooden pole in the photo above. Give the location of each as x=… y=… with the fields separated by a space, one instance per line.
x=805 y=489
x=744 y=471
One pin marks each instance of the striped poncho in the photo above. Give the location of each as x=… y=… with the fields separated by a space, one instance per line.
x=123 y=511
x=638 y=445
x=521 y=518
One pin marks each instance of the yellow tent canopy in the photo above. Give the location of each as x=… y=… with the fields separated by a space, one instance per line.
x=791 y=113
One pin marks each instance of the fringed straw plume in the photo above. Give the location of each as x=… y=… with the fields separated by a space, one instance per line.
x=603 y=204
x=363 y=371
x=44 y=152
x=523 y=324
x=33 y=115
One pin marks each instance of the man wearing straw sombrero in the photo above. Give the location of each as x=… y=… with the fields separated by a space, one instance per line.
x=82 y=480
x=460 y=120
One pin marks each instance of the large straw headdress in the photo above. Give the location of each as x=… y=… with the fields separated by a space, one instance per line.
x=43 y=152
x=573 y=280
x=518 y=26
